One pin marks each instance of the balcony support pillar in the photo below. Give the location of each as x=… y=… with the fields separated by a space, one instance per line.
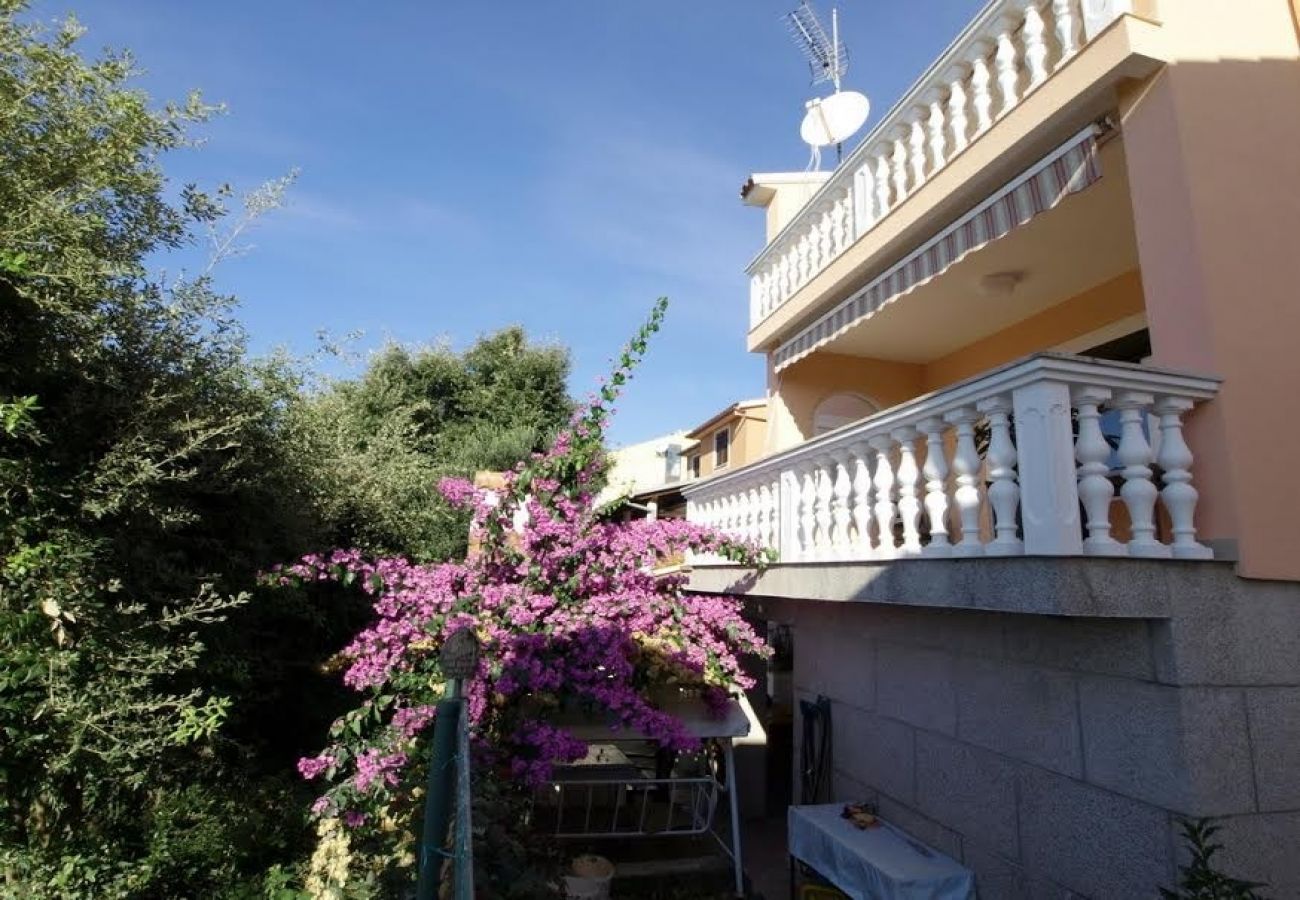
x=1049 y=494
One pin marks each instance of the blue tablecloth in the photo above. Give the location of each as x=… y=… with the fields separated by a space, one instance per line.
x=879 y=863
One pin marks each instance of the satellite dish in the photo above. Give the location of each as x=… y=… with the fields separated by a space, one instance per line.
x=835 y=119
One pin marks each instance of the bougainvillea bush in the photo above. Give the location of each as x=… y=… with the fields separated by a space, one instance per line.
x=571 y=609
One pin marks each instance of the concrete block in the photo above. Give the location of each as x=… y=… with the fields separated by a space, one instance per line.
x=924 y=829
x=1090 y=840
x=1275 y=746
x=1026 y=712
x=956 y=630
x=1104 y=646
x=834 y=657
x=1263 y=847
x=967 y=789
x=874 y=750
x=1244 y=632
x=1183 y=749
x=916 y=686
x=847 y=789
x=996 y=877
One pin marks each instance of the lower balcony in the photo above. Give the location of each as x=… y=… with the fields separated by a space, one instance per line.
x=1054 y=455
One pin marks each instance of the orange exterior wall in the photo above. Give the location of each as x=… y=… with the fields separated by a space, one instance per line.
x=1116 y=299
x=1214 y=166
x=795 y=392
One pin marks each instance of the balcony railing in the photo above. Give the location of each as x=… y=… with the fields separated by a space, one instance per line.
x=1010 y=49
x=1025 y=459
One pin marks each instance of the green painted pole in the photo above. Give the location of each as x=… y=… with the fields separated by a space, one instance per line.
x=438 y=794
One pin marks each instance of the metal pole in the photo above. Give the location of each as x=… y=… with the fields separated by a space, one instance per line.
x=438 y=793
x=733 y=789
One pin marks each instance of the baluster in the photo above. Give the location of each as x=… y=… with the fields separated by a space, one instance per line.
x=957 y=120
x=762 y=509
x=1005 y=60
x=937 y=126
x=1179 y=496
x=841 y=515
x=1138 y=491
x=840 y=222
x=980 y=79
x=862 y=497
x=916 y=146
x=883 y=482
x=751 y=525
x=936 y=488
x=806 y=476
x=899 y=160
x=823 y=254
x=822 y=508
x=1035 y=44
x=966 y=465
x=864 y=212
x=909 y=475
x=1063 y=13
x=804 y=260
x=1095 y=490
x=773 y=538
x=1003 y=491
x=882 y=187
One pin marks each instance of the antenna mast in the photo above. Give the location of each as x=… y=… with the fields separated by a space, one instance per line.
x=829 y=120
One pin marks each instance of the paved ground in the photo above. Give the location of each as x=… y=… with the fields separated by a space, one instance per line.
x=766 y=862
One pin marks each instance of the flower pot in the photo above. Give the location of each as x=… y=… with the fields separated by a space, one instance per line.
x=590 y=879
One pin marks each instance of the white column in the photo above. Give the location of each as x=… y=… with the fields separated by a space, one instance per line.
x=899 y=163
x=1049 y=492
x=980 y=81
x=1063 y=13
x=841 y=515
x=909 y=504
x=806 y=475
x=1004 y=493
x=936 y=488
x=1005 y=60
x=882 y=186
x=883 y=483
x=822 y=506
x=1093 y=454
x=1098 y=14
x=938 y=130
x=966 y=465
x=957 y=120
x=864 y=200
x=1034 y=36
x=1138 y=491
x=916 y=148
x=862 y=499
x=1179 y=496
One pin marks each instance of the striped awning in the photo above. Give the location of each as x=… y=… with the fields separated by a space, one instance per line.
x=1068 y=169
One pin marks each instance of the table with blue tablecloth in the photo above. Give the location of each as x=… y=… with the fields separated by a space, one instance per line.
x=880 y=863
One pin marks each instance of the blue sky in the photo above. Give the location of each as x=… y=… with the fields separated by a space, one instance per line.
x=466 y=166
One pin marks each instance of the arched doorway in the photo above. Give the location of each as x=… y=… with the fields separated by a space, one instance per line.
x=840 y=409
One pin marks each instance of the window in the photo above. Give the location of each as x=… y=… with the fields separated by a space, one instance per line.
x=721 y=448
x=695 y=465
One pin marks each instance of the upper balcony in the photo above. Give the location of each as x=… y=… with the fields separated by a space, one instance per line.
x=1023 y=74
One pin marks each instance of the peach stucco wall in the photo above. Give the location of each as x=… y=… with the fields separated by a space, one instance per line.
x=1215 y=179
x=1090 y=311
x=795 y=392
x=748 y=441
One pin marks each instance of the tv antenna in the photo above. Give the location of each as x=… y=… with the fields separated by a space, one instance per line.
x=833 y=119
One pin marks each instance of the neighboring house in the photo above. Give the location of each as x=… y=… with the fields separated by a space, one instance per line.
x=649 y=475
x=1030 y=467
x=727 y=440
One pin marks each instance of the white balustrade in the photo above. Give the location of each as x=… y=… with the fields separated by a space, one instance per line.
x=1054 y=455
x=1005 y=54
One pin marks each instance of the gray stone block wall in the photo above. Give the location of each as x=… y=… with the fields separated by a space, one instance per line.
x=1054 y=755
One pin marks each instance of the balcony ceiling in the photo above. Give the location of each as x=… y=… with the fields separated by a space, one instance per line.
x=1085 y=241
